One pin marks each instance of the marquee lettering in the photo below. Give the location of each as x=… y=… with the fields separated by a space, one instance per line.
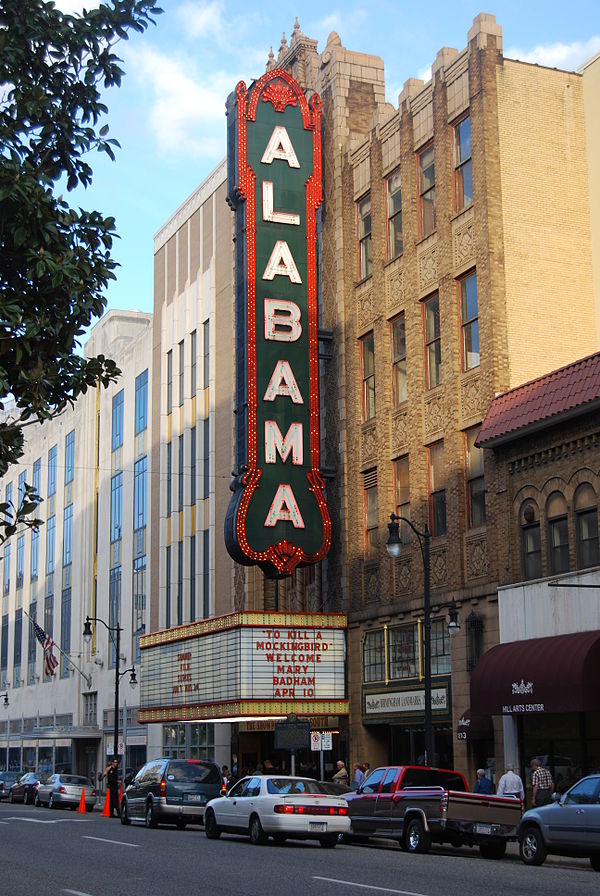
x=269 y=214
x=284 y=507
x=283 y=382
x=280 y=147
x=276 y=443
x=281 y=263
x=282 y=320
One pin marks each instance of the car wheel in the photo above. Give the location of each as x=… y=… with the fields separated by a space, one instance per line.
x=595 y=862
x=417 y=838
x=125 y=819
x=180 y=824
x=51 y=803
x=495 y=849
x=11 y=797
x=257 y=835
x=531 y=847
x=37 y=801
x=328 y=842
x=211 y=828
x=149 y=818
x=25 y=798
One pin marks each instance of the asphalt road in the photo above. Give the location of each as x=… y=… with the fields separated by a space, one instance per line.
x=66 y=854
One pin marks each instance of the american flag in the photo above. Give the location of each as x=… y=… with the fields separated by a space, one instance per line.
x=50 y=661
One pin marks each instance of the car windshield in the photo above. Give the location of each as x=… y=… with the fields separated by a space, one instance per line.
x=294 y=786
x=193 y=773
x=432 y=777
x=75 y=779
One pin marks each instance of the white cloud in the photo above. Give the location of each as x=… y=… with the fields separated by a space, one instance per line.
x=204 y=20
x=558 y=55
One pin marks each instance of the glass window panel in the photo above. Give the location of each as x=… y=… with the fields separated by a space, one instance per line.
x=373 y=656
x=404 y=651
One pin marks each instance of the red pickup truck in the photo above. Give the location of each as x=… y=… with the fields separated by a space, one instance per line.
x=419 y=805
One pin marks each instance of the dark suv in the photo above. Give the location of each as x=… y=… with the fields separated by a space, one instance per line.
x=171 y=791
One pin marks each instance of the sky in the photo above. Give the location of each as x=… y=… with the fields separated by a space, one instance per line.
x=169 y=113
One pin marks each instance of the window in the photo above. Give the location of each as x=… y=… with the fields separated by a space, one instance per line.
x=139 y=494
x=398 y=360
x=32 y=640
x=52 y=471
x=168 y=587
x=180 y=471
x=206 y=354
x=558 y=533
x=404 y=651
x=371 y=512
x=7 y=552
x=365 y=248
x=114 y=611
x=394 y=215
x=368 y=376
x=433 y=342
x=374 y=656
x=193 y=368
x=475 y=480
x=531 y=548
x=18 y=645
x=37 y=476
x=90 y=709
x=50 y=543
x=21 y=491
x=440 y=647
x=470 y=321
x=65 y=632
x=68 y=535
x=463 y=166
x=117 y=420
x=181 y=372
x=401 y=472
x=426 y=179
x=116 y=507
x=69 y=457
x=35 y=554
x=141 y=402
x=192 y=578
x=206 y=573
x=193 y=468
x=169 y=381
x=206 y=459
x=138 y=626
x=586 y=526
x=437 y=489
x=169 y=478
x=20 y=560
x=180 y=583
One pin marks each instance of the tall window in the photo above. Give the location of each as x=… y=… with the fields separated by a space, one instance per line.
x=399 y=360
x=17 y=647
x=365 y=247
x=437 y=489
x=50 y=544
x=206 y=460
x=139 y=604
x=531 y=546
x=116 y=507
x=193 y=368
x=68 y=535
x=168 y=587
x=586 y=526
x=374 y=656
x=394 y=215
x=181 y=372
x=180 y=583
x=141 y=402
x=20 y=560
x=180 y=472
x=8 y=491
x=404 y=651
x=440 y=647
x=69 y=457
x=371 y=512
x=470 y=321
x=169 y=478
x=426 y=191
x=402 y=497
x=52 y=471
x=475 y=480
x=21 y=491
x=35 y=554
x=65 y=631
x=117 y=420
x=193 y=465
x=114 y=611
x=463 y=166
x=192 y=578
x=206 y=573
x=169 y=381
x=433 y=342
x=37 y=476
x=206 y=354
x=368 y=376
x=558 y=533
x=6 y=570
x=139 y=494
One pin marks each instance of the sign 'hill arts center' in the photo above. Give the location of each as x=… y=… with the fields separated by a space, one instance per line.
x=253 y=665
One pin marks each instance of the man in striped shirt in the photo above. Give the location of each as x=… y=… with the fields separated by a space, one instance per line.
x=543 y=784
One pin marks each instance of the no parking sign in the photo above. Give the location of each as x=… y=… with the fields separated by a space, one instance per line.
x=315 y=741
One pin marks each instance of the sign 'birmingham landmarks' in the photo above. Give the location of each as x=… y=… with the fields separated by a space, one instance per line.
x=277 y=517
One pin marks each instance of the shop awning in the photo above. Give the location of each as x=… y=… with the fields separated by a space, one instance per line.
x=558 y=674
x=474 y=727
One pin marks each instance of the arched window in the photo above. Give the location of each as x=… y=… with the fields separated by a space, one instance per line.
x=586 y=526
x=558 y=533
x=531 y=548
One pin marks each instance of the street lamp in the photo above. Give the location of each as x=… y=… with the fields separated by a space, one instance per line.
x=5 y=698
x=116 y=630
x=394 y=547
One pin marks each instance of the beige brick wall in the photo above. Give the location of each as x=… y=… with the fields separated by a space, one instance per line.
x=545 y=219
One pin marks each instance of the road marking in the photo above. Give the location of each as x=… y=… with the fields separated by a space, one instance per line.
x=35 y=820
x=118 y=842
x=349 y=883
x=77 y=893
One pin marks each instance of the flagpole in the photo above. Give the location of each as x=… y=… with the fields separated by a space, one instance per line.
x=86 y=678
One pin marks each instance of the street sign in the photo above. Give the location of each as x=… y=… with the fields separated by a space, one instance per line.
x=292 y=735
x=315 y=741
x=121 y=748
x=326 y=740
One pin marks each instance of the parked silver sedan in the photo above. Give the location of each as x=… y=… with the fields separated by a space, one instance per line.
x=65 y=790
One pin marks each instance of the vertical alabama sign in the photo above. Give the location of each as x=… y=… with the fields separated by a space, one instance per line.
x=277 y=517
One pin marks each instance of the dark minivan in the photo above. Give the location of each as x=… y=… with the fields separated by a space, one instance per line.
x=171 y=791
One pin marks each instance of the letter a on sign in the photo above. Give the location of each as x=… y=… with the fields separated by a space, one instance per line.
x=277 y=516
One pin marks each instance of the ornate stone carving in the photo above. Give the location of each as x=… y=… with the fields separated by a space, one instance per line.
x=368 y=444
x=395 y=296
x=364 y=309
x=433 y=419
x=464 y=244
x=371 y=584
x=439 y=572
x=470 y=398
x=428 y=270
x=399 y=432
x=477 y=561
x=402 y=577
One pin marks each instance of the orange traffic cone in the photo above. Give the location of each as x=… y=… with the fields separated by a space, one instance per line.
x=106 y=810
x=82 y=803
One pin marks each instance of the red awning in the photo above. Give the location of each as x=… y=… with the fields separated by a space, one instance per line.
x=558 y=674
x=473 y=727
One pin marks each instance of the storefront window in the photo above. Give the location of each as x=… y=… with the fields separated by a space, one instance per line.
x=14 y=759
x=29 y=762
x=45 y=761
x=2 y=759
x=202 y=741
x=174 y=741
x=63 y=760
x=374 y=656
x=404 y=652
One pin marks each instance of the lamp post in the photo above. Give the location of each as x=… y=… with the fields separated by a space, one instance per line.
x=116 y=630
x=394 y=547
x=5 y=698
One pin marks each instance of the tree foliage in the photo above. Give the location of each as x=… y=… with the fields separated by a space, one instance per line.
x=55 y=260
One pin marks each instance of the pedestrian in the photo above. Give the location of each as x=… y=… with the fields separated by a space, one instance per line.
x=358 y=776
x=111 y=773
x=510 y=784
x=483 y=784
x=543 y=785
x=366 y=767
x=341 y=776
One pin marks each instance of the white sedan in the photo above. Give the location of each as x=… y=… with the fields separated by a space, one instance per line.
x=276 y=806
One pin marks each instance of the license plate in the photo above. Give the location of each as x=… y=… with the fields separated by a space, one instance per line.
x=196 y=798
x=317 y=826
x=483 y=829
